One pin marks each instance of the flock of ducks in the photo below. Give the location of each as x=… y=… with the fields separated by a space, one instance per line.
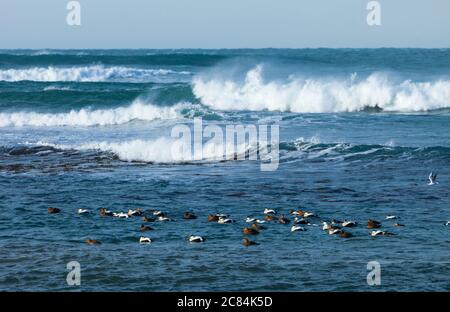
x=301 y=219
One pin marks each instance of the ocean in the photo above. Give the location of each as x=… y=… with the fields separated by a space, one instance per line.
x=359 y=132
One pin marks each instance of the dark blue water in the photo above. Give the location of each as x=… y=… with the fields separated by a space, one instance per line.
x=360 y=130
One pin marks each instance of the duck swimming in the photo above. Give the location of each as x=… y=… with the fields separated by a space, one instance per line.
x=307 y=214
x=145 y=240
x=147 y=219
x=283 y=220
x=349 y=223
x=269 y=211
x=297 y=212
x=120 y=215
x=103 y=212
x=380 y=233
x=246 y=242
x=250 y=231
x=145 y=228
x=189 y=216
x=296 y=228
x=92 y=242
x=223 y=220
x=258 y=227
x=82 y=211
x=334 y=231
x=345 y=234
x=196 y=239
x=137 y=212
x=52 y=210
x=327 y=227
x=300 y=221
x=391 y=217
x=372 y=224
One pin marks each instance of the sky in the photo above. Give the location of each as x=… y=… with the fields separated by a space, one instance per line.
x=39 y=24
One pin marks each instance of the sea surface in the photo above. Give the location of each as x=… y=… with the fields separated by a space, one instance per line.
x=359 y=129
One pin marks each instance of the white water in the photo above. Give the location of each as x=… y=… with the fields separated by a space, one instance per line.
x=320 y=95
x=95 y=73
x=138 y=110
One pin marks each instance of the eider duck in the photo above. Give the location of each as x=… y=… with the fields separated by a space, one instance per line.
x=300 y=221
x=189 y=216
x=269 y=217
x=223 y=220
x=163 y=218
x=307 y=214
x=344 y=234
x=147 y=219
x=196 y=239
x=447 y=223
x=269 y=211
x=380 y=233
x=120 y=215
x=296 y=228
x=157 y=212
x=346 y=223
x=296 y=212
x=283 y=220
x=136 y=212
x=53 y=210
x=250 y=220
x=213 y=218
x=372 y=224
x=327 y=227
x=334 y=231
x=145 y=240
x=103 y=212
x=391 y=217
x=145 y=228
x=398 y=224
x=82 y=211
x=92 y=242
x=246 y=242
x=258 y=227
x=250 y=231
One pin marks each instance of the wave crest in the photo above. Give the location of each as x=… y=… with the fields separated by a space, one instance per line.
x=95 y=73
x=321 y=95
x=138 y=110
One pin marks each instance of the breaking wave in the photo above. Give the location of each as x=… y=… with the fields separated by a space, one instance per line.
x=138 y=110
x=94 y=73
x=321 y=95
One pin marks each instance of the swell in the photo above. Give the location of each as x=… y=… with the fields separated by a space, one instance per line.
x=107 y=57
x=161 y=150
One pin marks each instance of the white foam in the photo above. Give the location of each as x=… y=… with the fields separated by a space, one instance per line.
x=138 y=110
x=321 y=95
x=160 y=150
x=95 y=73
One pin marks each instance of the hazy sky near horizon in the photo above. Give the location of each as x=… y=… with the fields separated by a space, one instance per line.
x=224 y=24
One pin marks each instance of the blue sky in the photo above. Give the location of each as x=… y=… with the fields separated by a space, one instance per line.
x=224 y=24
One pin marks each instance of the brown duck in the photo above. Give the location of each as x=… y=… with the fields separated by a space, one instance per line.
x=246 y=242
x=250 y=231
x=53 y=210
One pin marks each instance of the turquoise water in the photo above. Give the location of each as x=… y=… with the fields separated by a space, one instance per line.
x=360 y=130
